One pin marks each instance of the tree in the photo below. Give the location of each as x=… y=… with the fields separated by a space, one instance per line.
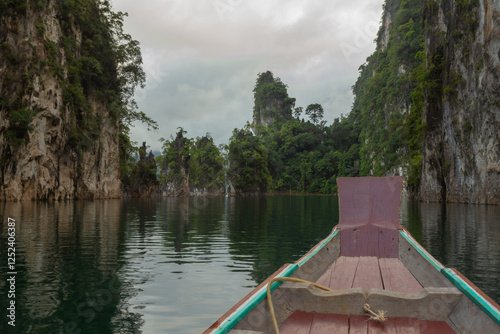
x=315 y=112
x=248 y=162
x=297 y=112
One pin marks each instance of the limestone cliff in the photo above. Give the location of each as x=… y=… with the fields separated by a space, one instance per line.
x=59 y=137
x=175 y=167
x=142 y=181
x=461 y=152
x=271 y=100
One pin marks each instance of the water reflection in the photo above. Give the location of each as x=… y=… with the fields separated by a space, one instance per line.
x=174 y=265
x=465 y=237
x=67 y=259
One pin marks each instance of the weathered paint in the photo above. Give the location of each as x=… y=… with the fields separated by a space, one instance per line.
x=316 y=249
x=229 y=322
x=369 y=215
x=474 y=294
x=435 y=263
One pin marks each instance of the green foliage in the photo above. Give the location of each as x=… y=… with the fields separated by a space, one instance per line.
x=20 y=119
x=9 y=7
x=176 y=156
x=389 y=95
x=201 y=159
x=9 y=54
x=315 y=112
x=271 y=97
x=206 y=164
x=248 y=161
x=20 y=124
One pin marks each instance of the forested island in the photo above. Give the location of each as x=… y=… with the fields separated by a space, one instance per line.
x=426 y=107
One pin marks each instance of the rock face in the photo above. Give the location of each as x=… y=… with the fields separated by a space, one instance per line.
x=461 y=150
x=271 y=100
x=38 y=159
x=176 y=169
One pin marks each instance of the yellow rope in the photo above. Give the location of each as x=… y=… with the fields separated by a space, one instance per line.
x=377 y=316
x=288 y=279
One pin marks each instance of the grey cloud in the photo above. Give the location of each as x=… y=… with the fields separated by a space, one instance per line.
x=202 y=63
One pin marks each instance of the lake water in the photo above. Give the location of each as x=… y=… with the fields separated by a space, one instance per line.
x=174 y=265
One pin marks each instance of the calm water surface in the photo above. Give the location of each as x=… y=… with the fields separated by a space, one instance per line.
x=175 y=265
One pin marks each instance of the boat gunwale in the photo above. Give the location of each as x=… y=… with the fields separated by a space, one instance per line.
x=487 y=305
x=248 y=303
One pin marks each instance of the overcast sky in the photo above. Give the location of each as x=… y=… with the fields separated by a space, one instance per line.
x=202 y=57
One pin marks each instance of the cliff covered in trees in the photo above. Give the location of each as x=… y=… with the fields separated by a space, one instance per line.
x=426 y=106
x=67 y=77
x=427 y=99
x=461 y=147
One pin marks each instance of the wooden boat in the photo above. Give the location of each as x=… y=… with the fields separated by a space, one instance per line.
x=370 y=276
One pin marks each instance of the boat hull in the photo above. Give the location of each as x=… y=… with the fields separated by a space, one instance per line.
x=376 y=263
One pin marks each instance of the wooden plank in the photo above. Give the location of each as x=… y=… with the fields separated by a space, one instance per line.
x=343 y=273
x=369 y=208
x=368 y=274
x=369 y=200
x=358 y=324
x=386 y=327
x=407 y=326
x=360 y=241
x=298 y=323
x=330 y=323
x=396 y=277
x=469 y=318
x=388 y=243
x=435 y=327
x=325 y=278
x=480 y=292
x=425 y=273
x=247 y=297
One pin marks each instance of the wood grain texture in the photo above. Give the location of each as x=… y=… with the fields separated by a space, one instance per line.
x=368 y=274
x=343 y=273
x=388 y=243
x=407 y=326
x=369 y=215
x=358 y=324
x=325 y=278
x=298 y=323
x=435 y=327
x=386 y=327
x=396 y=277
x=248 y=296
x=330 y=323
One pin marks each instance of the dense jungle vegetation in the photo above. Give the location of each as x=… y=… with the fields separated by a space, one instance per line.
x=95 y=60
x=289 y=149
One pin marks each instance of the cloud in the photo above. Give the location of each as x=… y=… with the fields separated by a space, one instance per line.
x=202 y=57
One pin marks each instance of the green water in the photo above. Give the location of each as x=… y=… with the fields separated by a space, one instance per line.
x=175 y=265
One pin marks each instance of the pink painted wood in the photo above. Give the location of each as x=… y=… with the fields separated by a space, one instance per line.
x=386 y=327
x=369 y=215
x=343 y=273
x=325 y=278
x=330 y=323
x=298 y=323
x=368 y=274
x=407 y=325
x=358 y=324
x=435 y=327
x=396 y=277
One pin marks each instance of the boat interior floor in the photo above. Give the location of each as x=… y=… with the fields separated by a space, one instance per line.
x=366 y=272
x=369 y=272
x=319 y=323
